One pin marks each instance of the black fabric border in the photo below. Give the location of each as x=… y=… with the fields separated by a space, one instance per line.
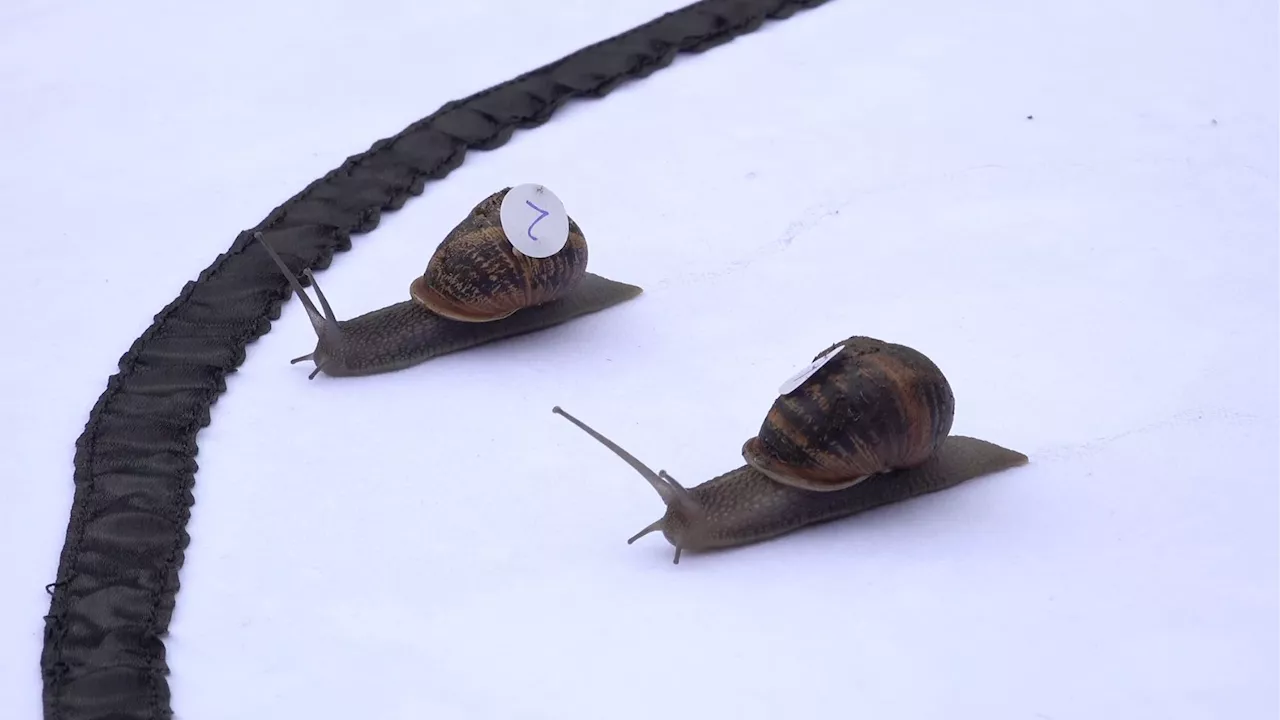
x=117 y=580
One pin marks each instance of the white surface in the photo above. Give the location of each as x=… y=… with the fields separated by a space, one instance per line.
x=1099 y=283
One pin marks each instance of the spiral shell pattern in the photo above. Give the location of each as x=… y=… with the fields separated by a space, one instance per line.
x=875 y=407
x=476 y=275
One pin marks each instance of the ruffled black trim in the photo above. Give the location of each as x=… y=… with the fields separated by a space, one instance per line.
x=135 y=463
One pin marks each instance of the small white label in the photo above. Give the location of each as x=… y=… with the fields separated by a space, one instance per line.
x=798 y=379
x=534 y=220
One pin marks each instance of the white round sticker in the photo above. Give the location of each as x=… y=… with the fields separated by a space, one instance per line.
x=798 y=379
x=534 y=220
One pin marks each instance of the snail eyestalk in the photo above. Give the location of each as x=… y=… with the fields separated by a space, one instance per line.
x=328 y=333
x=324 y=302
x=679 y=501
x=665 y=476
x=672 y=493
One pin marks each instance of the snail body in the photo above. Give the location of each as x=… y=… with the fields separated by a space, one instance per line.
x=476 y=289
x=868 y=428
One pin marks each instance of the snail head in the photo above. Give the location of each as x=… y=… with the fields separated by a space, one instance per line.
x=682 y=523
x=328 y=333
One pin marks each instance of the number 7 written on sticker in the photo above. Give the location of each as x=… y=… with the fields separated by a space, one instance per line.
x=541 y=214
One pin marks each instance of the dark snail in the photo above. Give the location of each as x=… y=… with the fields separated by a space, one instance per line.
x=477 y=288
x=868 y=428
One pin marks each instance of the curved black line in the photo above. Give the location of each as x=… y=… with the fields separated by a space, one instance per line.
x=135 y=462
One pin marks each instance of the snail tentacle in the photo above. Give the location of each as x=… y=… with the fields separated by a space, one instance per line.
x=685 y=514
x=328 y=332
x=323 y=324
x=673 y=494
x=655 y=525
x=324 y=302
x=667 y=476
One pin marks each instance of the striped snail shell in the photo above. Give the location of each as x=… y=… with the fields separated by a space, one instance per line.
x=874 y=407
x=477 y=275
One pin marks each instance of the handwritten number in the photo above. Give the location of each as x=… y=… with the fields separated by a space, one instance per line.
x=541 y=214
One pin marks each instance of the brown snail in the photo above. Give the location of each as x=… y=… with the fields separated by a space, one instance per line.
x=869 y=427
x=477 y=288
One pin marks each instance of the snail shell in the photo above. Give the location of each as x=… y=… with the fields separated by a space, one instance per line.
x=873 y=408
x=477 y=275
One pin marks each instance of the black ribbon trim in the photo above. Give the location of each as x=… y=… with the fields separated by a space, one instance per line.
x=135 y=466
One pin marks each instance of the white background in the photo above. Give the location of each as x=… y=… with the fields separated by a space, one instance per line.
x=1099 y=284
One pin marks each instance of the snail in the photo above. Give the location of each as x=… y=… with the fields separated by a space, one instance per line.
x=869 y=427
x=477 y=288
